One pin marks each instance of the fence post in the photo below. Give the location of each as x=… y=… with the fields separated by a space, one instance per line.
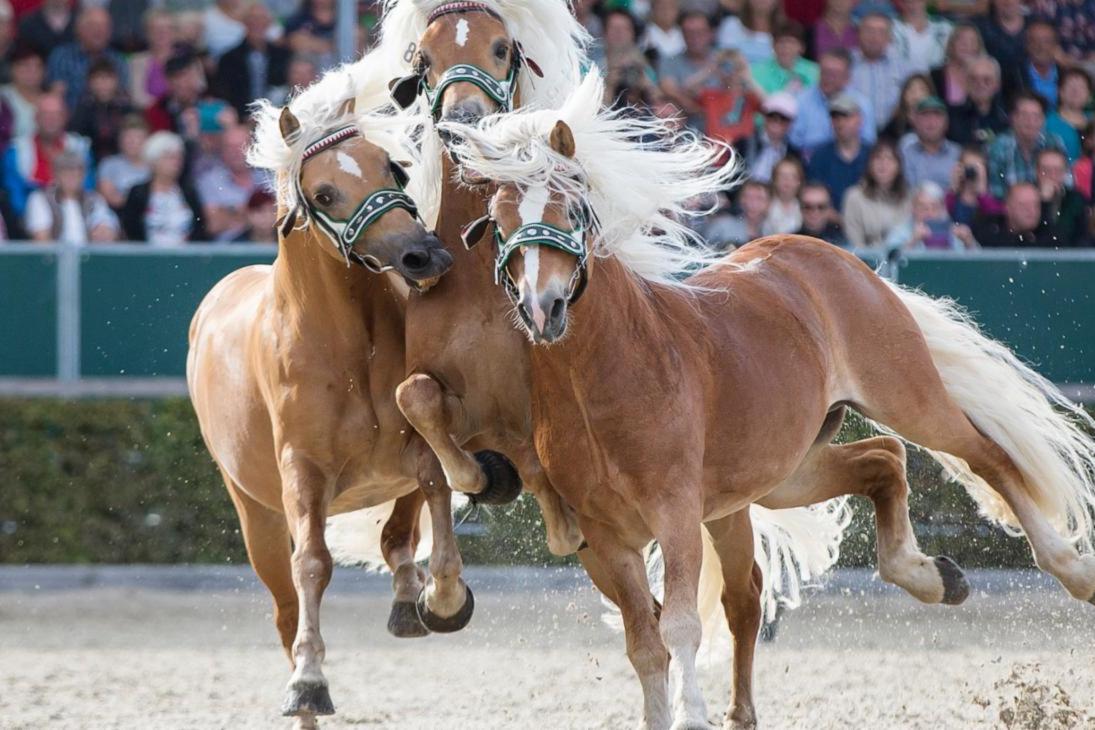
x=68 y=313
x=345 y=30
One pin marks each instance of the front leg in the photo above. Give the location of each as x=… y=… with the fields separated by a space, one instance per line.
x=399 y=542
x=487 y=475
x=306 y=494
x=564 y=537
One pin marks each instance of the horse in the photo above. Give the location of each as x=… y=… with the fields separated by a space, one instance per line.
x=292 y=370
x=686 y=401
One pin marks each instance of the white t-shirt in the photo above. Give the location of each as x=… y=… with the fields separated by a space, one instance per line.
x=168 y=219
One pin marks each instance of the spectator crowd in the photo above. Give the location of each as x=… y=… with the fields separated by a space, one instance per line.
x=878 y=124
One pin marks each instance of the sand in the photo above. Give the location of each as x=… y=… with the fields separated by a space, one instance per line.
x=535 y=656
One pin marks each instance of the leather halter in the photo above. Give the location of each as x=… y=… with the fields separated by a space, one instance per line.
x=345 y=232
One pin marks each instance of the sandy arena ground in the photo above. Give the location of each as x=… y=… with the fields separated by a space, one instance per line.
x=149 y=653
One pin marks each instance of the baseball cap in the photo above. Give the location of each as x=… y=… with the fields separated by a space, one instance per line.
x=931 y=104
x=781 y=103
x=843 y=104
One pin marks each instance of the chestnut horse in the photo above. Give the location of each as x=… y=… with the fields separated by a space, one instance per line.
x=684 y=403
x=293 y=368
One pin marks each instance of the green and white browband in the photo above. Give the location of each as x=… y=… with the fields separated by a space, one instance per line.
x=538 y=234
x=500 y=92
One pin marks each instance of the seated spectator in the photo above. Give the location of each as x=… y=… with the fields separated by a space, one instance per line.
x=1071 y=117
x=812 y=127
x=982 y=116
x=303 y=72
x=28 y=74
x=147 y=79
x=68 y=65
x=629 y=78
x=50 y=26
x=784 y=213
x=927 y=155
x=1003 y=33
x=840 y=163
x=1040 y=70
x=1020 y=226
x=919 y=40
x=751 y=33
x=225 y=189
x=65 y=211
x=683 y=77
x=834 y=29
x=950 y=78
x=262 y=216
x=817 y=215
x=968 y=197
x=248 y=71
x=879 y=201
x=1084 y=167
x=769 y=144
x=663 y=35
x=222 y=26
x=99 y=117
x=165 y=210
x=787 y=70
x=877 y=73
x=916 y=88
x=28 y=161
x=1064 y=217
x=312 y=31
x=730 y=107
x=1012 y=155
x=1073 y=21
x=928 y=226
x=119 y=173
x=177 y=110
x=753 y=201
x=214 y=117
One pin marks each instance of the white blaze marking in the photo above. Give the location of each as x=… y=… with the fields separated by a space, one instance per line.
x=462 y=32
x=531 y=210
x=533 y=205
x=348 y=164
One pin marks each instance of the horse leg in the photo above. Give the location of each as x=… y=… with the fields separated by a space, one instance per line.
x=624 y=569
x=560 y=522
x=266 y=536
x=742 y=585
x=446 y=603
x=305 y=497
x=875 y=468
x=677 y=528
x=398 y=543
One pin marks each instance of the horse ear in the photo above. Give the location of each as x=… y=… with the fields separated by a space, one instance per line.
x=287 y=223
x=519 y=54
x=562 y=139
x=399 y=172
x=405 y=90
x=288 y=124
x=473 y=232
x=347 y=107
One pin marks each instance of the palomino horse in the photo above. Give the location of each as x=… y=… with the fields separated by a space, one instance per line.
x=293 y=368
x=468 y=367
x=685 y=403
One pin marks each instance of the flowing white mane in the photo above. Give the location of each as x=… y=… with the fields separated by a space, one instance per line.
x=319 y=109
x=546 y=30
x=640 y=176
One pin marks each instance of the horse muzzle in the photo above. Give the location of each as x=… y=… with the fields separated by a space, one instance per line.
x=545 y=316
x=424 y=262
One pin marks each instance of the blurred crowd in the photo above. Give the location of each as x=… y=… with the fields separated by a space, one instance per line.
x=878 y=124
x=874 y=124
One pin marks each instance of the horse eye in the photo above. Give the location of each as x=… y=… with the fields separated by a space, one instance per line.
x=501 y=51
x=323 y=199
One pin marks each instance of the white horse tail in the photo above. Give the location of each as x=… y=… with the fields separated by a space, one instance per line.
x=354 y=537
x=1022 y=412
x=793 y=548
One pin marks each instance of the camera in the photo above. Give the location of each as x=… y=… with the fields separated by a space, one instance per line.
x=969 y=173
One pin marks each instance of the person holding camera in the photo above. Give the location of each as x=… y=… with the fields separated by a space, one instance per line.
x=928 y=226
x=968 y=197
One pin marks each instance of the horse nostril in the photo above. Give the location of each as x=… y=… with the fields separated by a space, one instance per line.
x=416 y=260
x=557 y=309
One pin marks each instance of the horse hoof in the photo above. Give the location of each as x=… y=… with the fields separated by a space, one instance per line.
x=307 y=698
x=403 y=621
x=956 y=588
x=503 y=482
x=441 y=624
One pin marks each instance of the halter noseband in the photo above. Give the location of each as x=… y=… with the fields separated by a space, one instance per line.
x=345 y=232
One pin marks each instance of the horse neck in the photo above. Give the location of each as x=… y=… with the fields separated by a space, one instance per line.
x=310 y=284
x=459 y=204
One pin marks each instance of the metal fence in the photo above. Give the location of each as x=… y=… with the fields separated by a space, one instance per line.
x=113 y=319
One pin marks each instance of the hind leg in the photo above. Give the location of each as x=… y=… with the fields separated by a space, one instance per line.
x=398 y=543
x=266 y=536
x=742 y=584
x=875 y=468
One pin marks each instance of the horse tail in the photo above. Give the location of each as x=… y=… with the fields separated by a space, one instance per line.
x=1023 y=413
x=354 y=537
x=793 y=547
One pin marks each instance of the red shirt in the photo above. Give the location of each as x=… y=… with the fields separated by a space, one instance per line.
x=42 y=175
x=729 y=115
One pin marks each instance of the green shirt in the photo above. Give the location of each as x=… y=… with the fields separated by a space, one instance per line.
x=772 y=77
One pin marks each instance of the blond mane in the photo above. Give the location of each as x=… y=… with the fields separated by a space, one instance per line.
x=640 y=175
